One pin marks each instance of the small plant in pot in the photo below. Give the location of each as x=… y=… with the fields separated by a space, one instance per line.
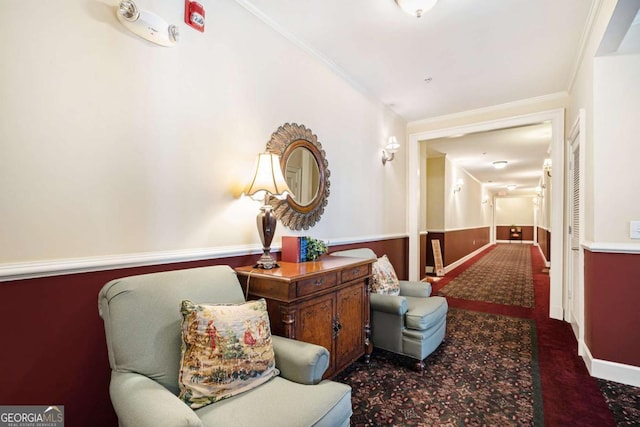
x=315 y=248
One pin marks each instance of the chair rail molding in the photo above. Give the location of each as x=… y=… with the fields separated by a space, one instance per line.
x=58 y=267
x=612 y=247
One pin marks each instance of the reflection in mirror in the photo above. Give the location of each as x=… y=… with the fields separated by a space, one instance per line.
x=302 y=175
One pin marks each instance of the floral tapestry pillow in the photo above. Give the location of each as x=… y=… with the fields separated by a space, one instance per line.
x=226 y=350
x=385 y=280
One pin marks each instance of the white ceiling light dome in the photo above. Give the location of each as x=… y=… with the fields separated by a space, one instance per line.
x=416 y=7
x=500 y=164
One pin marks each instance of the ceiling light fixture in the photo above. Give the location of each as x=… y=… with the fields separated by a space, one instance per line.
x=511 y=187
x=416 y=8
x=500 y=164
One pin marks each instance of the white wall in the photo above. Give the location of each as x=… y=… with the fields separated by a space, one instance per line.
x=606 y=87
x=111 y=145
x=514 y=211
x=616 y=150
x=435 y=193
x=543 y=206
x=582 y=97
x=463 y=209
x=448 y=210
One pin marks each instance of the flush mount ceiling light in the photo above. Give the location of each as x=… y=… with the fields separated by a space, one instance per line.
x=511 y=187
x=501 y=164
x=416 y=7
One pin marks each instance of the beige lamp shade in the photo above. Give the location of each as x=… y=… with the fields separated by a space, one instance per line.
x=267 y=178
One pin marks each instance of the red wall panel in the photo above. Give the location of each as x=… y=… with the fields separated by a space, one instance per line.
x=612 y=313
x=53 y=342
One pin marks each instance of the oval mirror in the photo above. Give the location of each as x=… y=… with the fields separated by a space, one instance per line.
x=306 y=170
x=303 y=175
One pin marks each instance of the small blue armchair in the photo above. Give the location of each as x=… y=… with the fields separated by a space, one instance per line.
x=412 y=324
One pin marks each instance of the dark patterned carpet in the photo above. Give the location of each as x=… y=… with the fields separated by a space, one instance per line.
x=502 y=276
x=623 y=401
x=484 y=373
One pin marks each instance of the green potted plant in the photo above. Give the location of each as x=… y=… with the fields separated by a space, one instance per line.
x=315 y=248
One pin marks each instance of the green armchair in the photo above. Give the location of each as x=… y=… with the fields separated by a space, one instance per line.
x=412 y=323
x=142 y=326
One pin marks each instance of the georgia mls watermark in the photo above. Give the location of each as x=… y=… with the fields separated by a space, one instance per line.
x=32 y=416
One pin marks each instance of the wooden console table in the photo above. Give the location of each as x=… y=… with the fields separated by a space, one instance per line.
x=324 y=302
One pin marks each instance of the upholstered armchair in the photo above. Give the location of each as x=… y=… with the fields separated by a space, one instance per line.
x=412 y=323
x=142 y=321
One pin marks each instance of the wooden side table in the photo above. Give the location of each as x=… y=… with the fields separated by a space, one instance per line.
x=515 y=233
x=324 y=302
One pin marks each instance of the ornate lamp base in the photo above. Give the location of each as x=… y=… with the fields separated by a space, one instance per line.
x=266 y=262
x=267 y=222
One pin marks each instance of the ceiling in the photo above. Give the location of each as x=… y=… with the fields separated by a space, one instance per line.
x=524 y=149
x=462 y=55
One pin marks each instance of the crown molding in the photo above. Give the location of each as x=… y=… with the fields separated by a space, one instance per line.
x=584 y=40
x=491 y=109
x=305 y=46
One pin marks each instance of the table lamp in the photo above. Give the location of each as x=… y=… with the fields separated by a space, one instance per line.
x=267 y=181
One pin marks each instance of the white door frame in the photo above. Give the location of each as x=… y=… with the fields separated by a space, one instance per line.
x=574 y=256
x=415 y=170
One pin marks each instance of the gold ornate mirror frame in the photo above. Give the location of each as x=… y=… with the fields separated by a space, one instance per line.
x=283 y=142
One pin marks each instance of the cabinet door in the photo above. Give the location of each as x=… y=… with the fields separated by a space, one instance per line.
x=351 y=316
x=314 y=323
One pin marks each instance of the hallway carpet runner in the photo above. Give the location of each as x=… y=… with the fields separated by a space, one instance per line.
x=502 y=276
x=500 y=365
x=484 y=373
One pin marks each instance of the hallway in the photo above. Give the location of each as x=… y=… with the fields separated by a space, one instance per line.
x=570 y=395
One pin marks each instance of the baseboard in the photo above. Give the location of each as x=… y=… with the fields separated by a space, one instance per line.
x=556 y=312
x=576 y=327
x=462 y=260
x=611 y=371
x=546 y=263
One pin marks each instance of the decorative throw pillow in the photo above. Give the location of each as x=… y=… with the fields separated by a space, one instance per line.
x=226 y=350
x=384 y=280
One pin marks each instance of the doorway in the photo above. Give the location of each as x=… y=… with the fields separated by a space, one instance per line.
x=574 y=289
x=417 y=168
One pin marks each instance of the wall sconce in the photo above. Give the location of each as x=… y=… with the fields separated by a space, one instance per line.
x=147 y=25
x=389 y=152
x=485 y=200
x=458 y=186
x=267 y=181
x=547 y=167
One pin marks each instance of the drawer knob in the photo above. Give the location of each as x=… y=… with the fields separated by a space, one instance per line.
x=318 y=282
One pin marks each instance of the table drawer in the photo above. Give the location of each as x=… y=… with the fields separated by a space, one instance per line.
x=353 y=273
x=318 y=283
